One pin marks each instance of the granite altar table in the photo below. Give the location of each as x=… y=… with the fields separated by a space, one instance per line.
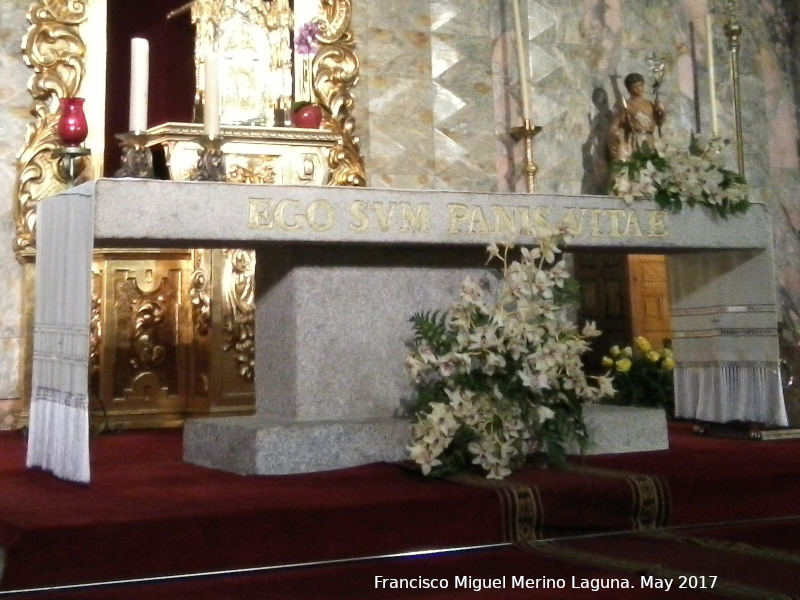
x=340 y=271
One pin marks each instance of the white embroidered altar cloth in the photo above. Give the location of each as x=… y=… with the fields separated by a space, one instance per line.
x=58 y=439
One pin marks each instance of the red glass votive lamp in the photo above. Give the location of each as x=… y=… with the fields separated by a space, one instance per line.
x=72 y=126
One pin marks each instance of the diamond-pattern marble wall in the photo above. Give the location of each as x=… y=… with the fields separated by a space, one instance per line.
x=462 y=38
x=430 y=121
x=395 y=45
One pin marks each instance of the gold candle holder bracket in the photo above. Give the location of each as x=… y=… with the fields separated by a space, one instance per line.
x=211 y=160
x=137 y=160
x=70 y=163
x=527 y=132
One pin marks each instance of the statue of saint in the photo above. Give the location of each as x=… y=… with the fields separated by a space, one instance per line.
x=636 y=122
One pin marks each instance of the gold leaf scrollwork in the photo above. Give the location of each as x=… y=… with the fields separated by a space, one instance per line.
x=146 y=352
x=336 y=71
x=337 y=20
x=345 y=161
x=200 y=297
x=239 y=310
x=55 y=50
x=95 y=325
x=259 y=170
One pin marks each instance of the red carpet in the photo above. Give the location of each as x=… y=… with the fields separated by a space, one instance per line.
x=718 y=479
x=463 y=573
x=712 y=560
x=147 y=514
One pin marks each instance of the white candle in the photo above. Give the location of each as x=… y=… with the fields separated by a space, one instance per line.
x=712 y=86
x=523 y=64
x=211 y=96
x=140 y=73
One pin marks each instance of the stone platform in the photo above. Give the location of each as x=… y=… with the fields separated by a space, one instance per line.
x=623 y=429
x=261 y=445
x=266 y=446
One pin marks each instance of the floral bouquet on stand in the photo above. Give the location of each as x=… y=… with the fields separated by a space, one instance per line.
x=499 y=374
x=642 y=377
x=673 y=173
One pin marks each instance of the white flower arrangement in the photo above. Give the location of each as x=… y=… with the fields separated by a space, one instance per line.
x=677 y=171
x=500 y=374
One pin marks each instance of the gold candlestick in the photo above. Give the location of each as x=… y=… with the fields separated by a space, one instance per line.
x=137 y=160
x=527 y=132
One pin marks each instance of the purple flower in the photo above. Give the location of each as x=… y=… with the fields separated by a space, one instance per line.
x=305 y=42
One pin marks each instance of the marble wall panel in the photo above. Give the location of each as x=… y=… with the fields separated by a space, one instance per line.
x=14 y=107
x=409 y=15
x=463 y=114
x=462 y=44
x=401 y=140
x=396 y=62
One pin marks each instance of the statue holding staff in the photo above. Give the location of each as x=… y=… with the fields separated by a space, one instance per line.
x=636 y=123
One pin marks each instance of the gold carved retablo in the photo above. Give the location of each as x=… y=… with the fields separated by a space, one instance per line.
x=171 y=330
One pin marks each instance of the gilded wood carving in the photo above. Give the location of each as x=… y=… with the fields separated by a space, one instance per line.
x=219 y=290
x=54 y=49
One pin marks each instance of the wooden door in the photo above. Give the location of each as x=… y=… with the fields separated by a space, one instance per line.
x=649 y=297
x=603 y=279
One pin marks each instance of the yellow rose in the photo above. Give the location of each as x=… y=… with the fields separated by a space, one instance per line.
x=653 y=356
x=624 y=365
x=607 y=362
x=614 y=351
x=669 y=363
x=644 y=344
x=627 y=351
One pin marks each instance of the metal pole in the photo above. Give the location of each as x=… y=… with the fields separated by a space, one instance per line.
x=734 y=31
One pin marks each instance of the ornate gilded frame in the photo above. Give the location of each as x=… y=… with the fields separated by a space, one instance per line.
x=56 y=51
x=56 y=47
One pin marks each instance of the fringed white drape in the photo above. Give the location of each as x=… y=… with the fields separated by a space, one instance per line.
x=58 y=440
x=725 y=337
x=751 y=393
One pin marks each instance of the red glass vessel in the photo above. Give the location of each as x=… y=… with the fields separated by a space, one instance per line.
x=72 y=126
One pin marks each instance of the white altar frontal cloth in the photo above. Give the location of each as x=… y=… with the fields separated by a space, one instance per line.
x=58 y=439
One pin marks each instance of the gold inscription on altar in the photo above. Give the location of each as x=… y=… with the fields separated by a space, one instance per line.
x=384 y=216
x=463 y=220
x=509 y=221
x=292 y=215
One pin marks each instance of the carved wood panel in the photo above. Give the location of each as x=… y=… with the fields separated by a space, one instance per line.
x=603 y=279
x=172 y=336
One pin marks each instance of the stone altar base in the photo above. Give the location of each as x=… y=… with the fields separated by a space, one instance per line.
x=263 y=446
x=332 y=326
x=622 y=429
